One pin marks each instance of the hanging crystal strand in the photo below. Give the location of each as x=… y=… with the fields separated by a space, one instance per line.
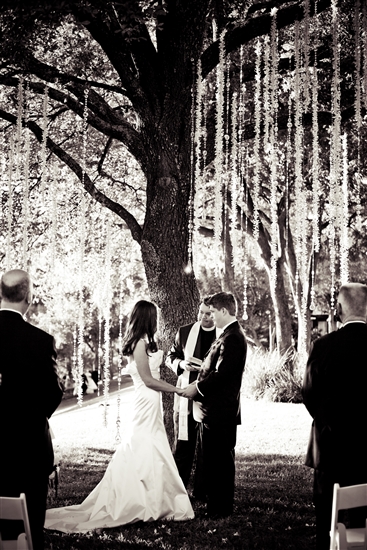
x=241 y=117
x=266 y=92
x=357 y=100
x=80 y=360
x=273 y=145
x=306 y=51
x=9 y=234
x=191 y=204
x=19 y=129
x=312 y=291
x=107 y=319
x=82 y=226
x=121 y=316
x=226 y=171
x=315 y=149
x=25 y=207
x=2 y=174
x=84 y=132
x=234 y=180
x=335 y=145
x=364 y=48
x=197 y=147
x=246 y=250
x=100 y=350
x=44 y=143
x=54 y=189
x=257 y=164
x=218 y=161
x=205 y=152
x=288 y=163
x=74 y=369
x=300 y=214
x=344 y=242
x=332 y=252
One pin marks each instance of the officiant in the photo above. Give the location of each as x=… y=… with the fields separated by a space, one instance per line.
x=191 y=344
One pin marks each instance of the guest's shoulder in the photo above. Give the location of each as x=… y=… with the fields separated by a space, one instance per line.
x=326 y=341
x=37 y=332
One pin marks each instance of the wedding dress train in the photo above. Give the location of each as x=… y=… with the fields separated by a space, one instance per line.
x=141 y=482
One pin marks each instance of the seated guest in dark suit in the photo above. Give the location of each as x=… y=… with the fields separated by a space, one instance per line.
x=30 y=391
x=334 y=392
x=217 y=393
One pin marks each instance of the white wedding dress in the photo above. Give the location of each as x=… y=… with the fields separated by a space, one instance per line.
x=141 y=482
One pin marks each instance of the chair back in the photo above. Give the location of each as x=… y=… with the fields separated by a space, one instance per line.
x=345 y=498
x=15 y=508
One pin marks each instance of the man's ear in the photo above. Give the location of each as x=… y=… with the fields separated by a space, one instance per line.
x=339 y=310
x=29 y=297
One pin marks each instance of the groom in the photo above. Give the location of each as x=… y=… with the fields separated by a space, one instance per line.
x=30 y=391
x=217 y=389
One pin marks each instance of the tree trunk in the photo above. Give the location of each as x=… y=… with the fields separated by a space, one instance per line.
x=164 y=247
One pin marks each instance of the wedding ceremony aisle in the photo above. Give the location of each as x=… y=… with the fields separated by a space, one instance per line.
x=273 y=507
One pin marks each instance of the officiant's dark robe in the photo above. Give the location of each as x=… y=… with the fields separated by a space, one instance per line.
x=30 y=391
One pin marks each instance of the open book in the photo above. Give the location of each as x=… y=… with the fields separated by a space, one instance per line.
x=195 y=362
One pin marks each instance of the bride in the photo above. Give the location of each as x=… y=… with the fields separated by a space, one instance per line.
x=141 y=482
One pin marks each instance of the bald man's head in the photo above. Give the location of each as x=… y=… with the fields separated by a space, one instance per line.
x=353 y=301
x=15 y=286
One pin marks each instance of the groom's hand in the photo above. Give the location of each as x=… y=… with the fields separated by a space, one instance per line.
x=190 y=391
x=186 y=365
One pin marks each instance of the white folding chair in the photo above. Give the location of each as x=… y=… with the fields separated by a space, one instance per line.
x=15 y=508
x=345 y=498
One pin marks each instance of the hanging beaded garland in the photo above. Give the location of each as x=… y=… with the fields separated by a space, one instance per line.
x=44 y=143
x=19 y=129
x=245 y=233
x=344 y=241
x=266 y=92
x=256 y=151
x=315 y=156
x=219 y=131
x=234 y=181
x=335 y=149
x=121 y=316
x=306 y=51
x=357 y=53
x=358 y=97
x=273 y=146
x=107 y=296
x=9 y=233
x=25 y=207
x=198 y=133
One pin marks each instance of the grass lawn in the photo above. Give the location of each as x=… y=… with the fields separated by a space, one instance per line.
x=273 y=507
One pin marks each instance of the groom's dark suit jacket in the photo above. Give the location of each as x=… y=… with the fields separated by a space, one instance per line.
x=335 y=394
x=30 y=391
x=220 y=378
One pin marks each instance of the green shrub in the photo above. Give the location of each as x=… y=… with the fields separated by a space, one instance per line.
x=273 y=376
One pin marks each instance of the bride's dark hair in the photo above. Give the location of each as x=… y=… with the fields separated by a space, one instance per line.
x=142 y=322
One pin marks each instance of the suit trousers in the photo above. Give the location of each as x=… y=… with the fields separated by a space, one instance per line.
x=218 y=445
x=184 y=455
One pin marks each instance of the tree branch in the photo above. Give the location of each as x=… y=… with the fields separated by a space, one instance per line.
x=121 y=130
x=257 y=26
x=131 y=222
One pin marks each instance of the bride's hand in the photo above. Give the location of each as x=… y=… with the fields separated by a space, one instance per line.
x=179 y=391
